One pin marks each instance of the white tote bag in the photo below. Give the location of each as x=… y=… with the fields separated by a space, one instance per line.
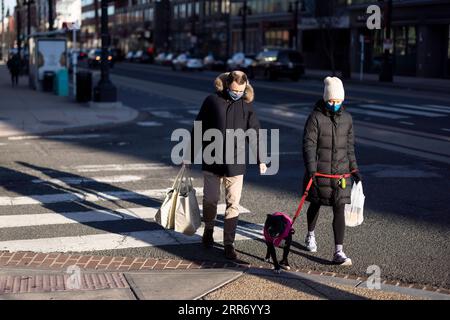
x=165 y=216
x=187 y=211
x=354 y=211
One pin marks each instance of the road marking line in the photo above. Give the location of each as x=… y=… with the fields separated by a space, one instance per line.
x=119 y=167
x=116 y=241
x=440 y=108
x=422 y=108
x=445 y=129
x=60 y=137
x=76 y=181
x=377 y=114
x=194 y=112
x=399 y=110
x=149 y=124
x=53 y=218
x=86 y=196
x=186 y=122
x=407 y=123
x=165 y=114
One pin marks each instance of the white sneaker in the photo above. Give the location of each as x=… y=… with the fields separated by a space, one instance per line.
x=341 y=259
x=311 y=244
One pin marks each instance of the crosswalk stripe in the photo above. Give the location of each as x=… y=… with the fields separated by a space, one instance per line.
x=116 y=241
x=377 y=113
x=423 y=108
x=86 y=196
x=399 y=110
x=76 y=181
x=120 y=167
x=149 y=124
x=32 y=220
x=60 y=137
x=165 y=114
x=440 y=108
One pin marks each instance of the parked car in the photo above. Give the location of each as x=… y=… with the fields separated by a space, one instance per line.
x=142 y=56
x=211 y=63
x=160 y=58
x=167 y=61
x=240 y=62
x=186 y=62
x=94 y=58
x=129 y=56
x=117 y=54
x=275 y=63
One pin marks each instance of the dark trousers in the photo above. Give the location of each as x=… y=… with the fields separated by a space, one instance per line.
x=15 y=78
x=338 y=221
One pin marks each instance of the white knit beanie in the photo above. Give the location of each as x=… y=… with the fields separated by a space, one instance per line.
x=334 y=89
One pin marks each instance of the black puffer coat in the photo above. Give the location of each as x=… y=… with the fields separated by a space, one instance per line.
x=328 y=147
x=220 y=112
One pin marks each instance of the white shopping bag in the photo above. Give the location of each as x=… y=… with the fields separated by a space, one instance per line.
x=165 y=216
x=354 y=211
x=187 y=211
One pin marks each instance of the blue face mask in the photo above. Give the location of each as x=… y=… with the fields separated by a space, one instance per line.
x=235 y=96
x=333 y=106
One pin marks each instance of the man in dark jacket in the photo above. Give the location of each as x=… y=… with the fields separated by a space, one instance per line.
x=328 y=147
x=229 y=108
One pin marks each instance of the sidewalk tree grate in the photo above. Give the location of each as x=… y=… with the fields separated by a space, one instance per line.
x=61 y=282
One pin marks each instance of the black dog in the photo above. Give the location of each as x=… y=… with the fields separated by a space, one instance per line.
x=275 y=233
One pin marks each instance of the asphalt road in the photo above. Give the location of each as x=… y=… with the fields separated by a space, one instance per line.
x=402 y=150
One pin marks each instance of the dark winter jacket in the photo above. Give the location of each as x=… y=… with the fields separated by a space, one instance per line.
x=13 y=64
x=220 y=112
x=328 y=147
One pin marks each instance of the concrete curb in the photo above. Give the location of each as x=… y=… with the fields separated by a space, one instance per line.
x=57 y=261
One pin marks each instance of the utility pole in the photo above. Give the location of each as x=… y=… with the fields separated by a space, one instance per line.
x=386 y=69
x=105 y=91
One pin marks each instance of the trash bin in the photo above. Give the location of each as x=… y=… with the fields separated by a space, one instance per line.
x=84 y=86
x=61 y=83
x=47 y=82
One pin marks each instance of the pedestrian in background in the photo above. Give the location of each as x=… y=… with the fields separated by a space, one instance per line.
x=328 y=148
x=14 y=69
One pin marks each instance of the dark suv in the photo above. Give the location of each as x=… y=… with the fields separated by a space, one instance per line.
x=275 y=63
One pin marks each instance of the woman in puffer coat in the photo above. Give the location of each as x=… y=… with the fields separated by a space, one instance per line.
x=328 y=147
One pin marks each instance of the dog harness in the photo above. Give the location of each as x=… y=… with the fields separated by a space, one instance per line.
x=288 y=227
x=289 y=222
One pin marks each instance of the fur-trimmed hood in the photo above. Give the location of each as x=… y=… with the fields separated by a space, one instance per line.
x=220 y=85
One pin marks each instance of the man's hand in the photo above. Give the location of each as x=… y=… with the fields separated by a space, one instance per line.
x=262 y=168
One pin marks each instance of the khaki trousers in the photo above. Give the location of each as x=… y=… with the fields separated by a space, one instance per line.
x=211 y=197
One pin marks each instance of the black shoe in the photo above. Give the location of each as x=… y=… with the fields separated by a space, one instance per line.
x=230 y=253
x=207 y=239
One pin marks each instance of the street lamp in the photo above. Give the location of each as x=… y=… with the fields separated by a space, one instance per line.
x=19 y=28
x=243 y=12
x=28 y=3
x=294 y=9
x=50 y=15
x=105 y=91
x=386 y=68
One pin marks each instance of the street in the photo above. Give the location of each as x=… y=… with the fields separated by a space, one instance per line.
x=96 y=191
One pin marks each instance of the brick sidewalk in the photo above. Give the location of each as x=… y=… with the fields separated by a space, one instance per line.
x=61 y=261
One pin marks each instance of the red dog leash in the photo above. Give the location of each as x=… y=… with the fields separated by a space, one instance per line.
x=331 y=176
